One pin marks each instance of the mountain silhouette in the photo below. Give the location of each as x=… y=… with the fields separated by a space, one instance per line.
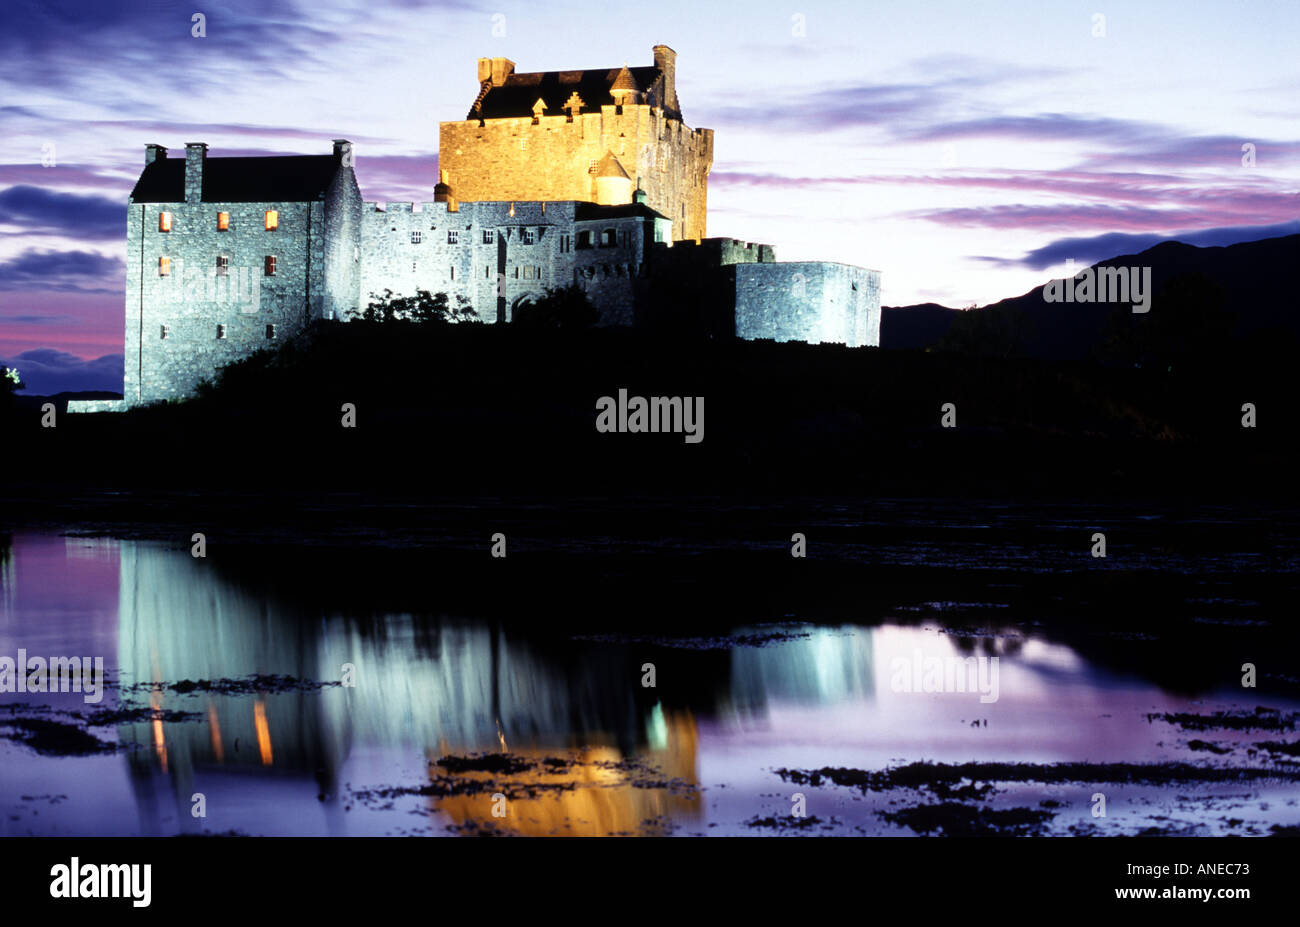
x=1220 y=299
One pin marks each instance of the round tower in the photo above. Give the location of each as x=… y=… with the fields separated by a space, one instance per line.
x=613 y=185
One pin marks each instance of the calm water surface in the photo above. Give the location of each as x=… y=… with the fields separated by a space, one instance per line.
x=590 y=749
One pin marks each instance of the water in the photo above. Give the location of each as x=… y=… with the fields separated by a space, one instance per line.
x=245 y=718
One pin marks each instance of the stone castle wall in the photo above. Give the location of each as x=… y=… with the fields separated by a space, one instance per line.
x=812 y=301
x=496 y=255
x=183 y=326
x=554 y=158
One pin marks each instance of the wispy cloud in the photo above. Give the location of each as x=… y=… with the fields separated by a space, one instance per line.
x=1113 y=244
x=40 y=211
x=73 y=271
x=46 y=371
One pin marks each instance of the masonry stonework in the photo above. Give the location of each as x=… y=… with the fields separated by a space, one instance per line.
x=588 y=179
x=543 y=136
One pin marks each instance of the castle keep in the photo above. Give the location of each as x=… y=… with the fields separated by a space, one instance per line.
x=592 y=136
x=555 y=179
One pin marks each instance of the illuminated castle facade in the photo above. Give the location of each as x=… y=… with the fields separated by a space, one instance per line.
x=555 y=179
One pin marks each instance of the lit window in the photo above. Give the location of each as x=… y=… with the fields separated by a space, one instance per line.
x=453 y=236
x=164 y=222
x=415 y=237
x=272 y=220
x=489 y=236
x=270 y=331
x=530 y=236
x=223 y=265
x=511 y=210
x=269 y=265
x=163 y=332
x=221 y=331
x=223 y=222
x=164 y=267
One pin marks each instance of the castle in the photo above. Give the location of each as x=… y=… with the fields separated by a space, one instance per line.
x=553 y=179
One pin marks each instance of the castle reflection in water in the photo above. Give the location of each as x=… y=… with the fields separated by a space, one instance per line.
x=426 y=687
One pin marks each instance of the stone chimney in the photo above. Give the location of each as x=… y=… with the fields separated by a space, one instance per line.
x=154 y=153
x=495 y=70
x=343 y=151
x=666 y=61
x=195 y=154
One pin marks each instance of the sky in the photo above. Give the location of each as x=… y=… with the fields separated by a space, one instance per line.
x=965 y=150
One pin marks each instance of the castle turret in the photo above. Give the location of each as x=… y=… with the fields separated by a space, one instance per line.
x=613 y=185
x=624 y=89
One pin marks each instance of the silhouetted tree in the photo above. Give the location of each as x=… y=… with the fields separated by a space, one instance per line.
x=995 y=331
x=1188 y=322
x=422 y=307
x=563 y=308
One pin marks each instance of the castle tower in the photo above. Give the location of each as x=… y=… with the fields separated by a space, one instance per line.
x=552 y=135
x=613 y=186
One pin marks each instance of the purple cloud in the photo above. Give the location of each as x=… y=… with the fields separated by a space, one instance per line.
x=45 y=371
x=76 y=271
x=1087 y=251
x=40 y=211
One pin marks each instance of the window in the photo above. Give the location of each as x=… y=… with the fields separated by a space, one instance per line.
x=164 y=222
x=453 y=273
x=530 y=236
x=489 y=236
x=624 y=238
x=591 y=166
x=584 y=239
x=566 y=242
x=223 y=222
x=272 y=220
x=415 y=237
x=164 y=267
x=163 y=333
x=268 y=265
x=221 y=332
x=511 y=210
x=607 y=238
x=270 y=331
x=529 y=273
x=453 y=236
x=487 y=271
x=223 y=265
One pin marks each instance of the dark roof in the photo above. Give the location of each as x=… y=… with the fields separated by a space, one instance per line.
x=609 y=167
x=587 y=211
x=520 y=91
x=266 y=179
